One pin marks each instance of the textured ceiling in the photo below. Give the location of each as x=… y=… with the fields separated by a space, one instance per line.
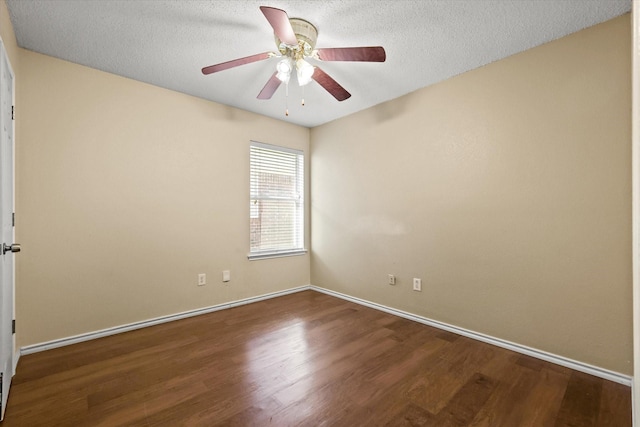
x=166 y=43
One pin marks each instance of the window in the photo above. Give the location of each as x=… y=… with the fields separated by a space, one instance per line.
x=276 y=211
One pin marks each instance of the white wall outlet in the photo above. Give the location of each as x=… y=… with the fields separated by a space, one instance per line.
x=392 y=279
x=202 y=279
x=226 y=275
x=417 y=284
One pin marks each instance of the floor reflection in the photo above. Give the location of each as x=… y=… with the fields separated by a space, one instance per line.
x=275 y=362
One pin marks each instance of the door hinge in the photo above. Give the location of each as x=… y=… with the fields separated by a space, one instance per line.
x=12 y=112
x=13 y=219
x=13 y=326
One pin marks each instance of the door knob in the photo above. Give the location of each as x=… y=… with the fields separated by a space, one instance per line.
x=10 y=248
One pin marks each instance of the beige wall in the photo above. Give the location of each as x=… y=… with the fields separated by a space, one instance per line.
x=506 y=189
x=125 y=193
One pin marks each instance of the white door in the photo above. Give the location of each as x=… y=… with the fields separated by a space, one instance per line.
x=7 y=248
x=635 y=150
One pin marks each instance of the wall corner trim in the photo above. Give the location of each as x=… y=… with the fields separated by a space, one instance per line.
x=518 y=348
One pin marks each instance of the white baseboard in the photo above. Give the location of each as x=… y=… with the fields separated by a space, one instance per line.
x=539 y=354
x=34 y=348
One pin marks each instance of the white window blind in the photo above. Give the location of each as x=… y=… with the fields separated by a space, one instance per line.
x=276 y=212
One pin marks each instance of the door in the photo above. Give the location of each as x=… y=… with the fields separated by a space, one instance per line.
x=635 y=150
x=7 y=248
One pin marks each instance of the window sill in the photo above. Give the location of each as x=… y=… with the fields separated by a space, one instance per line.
x=267 y=255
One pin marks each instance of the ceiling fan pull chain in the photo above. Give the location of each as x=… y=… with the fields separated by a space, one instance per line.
x=303 y=96
x=286 y=99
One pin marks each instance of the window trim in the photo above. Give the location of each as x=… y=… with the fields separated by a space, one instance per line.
x=278 y=253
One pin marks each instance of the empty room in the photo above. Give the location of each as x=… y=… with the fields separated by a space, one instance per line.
x=319 y=213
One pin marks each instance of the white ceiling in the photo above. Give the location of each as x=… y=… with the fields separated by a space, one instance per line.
x=166 y=43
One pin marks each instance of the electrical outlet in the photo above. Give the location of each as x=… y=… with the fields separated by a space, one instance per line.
x=417 y=284
x=226 y=275
x=202 y=279
x=392 y=279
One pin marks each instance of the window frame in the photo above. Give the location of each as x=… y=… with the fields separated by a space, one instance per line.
x=299 y=245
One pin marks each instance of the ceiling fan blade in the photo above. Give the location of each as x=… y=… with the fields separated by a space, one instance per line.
x=270 y=88
x=368 y=54
x=236 y=62
x=330 y=85
x=279 y=20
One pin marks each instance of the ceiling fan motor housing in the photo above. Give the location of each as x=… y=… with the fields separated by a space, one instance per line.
x=305 y=32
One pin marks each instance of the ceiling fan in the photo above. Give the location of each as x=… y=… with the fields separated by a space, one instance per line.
x=296 y=41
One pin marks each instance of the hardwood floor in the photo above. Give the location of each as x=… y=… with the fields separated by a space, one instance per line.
x=305 y=359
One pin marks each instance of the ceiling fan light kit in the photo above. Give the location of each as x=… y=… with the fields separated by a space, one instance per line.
x=296 y=41
x=283 y=70
x=304 y=71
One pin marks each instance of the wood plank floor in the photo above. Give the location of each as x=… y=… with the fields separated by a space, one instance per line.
x=305 y=359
